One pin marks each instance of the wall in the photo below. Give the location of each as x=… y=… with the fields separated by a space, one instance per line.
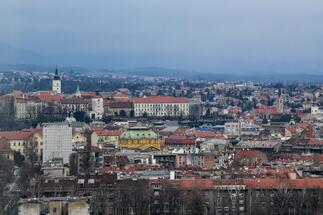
x=78 y=208
x=29 y=209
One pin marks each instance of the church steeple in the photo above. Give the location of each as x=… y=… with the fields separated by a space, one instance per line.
x=280 y=102
x=56 y=76
x=56 y=82
x=78 y=91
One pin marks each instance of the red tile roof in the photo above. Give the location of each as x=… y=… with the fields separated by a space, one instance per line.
x=105 y=132
x=196 y=183
x=270 y=110
x=267 y=183
x=179 y=140
x=15 y=135
x=205 y=134
x=160 y=99
x=123 y=90
x=48 y=96
x=247 y=154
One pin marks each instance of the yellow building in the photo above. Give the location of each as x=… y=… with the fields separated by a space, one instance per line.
x=78 y=138
x=37 y=142
x=139 y=138
x=105 y=136
x=5 y=150
x=18 y=140
x=24 y=141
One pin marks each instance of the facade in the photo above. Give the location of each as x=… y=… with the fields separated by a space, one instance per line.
x=17 y=140
x=280 y=105
x=78 y=138
x=315 y=110
x=55 y=169
x=97 y=108
x=27 y=108
x=29 y=208
x=56 y=83
x=161 y=106
x=239 y=128
x=120 y=109
x=5 y=150
x=57 y=141
x=88 y=162
x=54 y=206
x=71 y=105
x=105 y=136
x=36 y=142
x=139 y=138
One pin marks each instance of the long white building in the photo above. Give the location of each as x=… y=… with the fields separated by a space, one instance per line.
x=161 y=106
x=57 y=142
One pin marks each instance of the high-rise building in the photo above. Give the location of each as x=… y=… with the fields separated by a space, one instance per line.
x=57 y=141
x=56 y=83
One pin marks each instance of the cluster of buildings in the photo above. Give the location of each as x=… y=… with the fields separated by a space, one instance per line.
x=231 y=148
x=96 y=105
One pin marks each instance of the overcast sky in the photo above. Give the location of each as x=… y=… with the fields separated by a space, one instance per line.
x=237 y=36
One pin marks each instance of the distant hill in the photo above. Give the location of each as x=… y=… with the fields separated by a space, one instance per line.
x=41 y=68
x=261 y=77
x=159 y=72
x=176 y=73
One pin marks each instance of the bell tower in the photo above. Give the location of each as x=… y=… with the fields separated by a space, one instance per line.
x=280 y=102
x=56 y=83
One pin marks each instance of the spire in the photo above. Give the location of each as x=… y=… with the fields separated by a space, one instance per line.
x=56 y=76
x=78 y=91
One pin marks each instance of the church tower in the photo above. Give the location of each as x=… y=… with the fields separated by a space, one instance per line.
x=78 y=92
x=280 y=102
x=56 y=83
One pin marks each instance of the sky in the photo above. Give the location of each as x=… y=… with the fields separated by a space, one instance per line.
x=215 y=36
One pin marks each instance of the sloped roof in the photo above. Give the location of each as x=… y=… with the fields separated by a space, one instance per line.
x=48 y=96
x=160 y=99
x=196 y=183
x=204 y=134
x=267 y=183
x=16 y=135
x=180 y=140
x=105 y=132
x=139 y=134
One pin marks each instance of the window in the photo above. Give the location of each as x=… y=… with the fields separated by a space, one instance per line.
x=54 y=210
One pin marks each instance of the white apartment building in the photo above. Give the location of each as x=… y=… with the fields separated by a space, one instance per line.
x=161 y=106
x=57 y=142
x=232 y=128
x=315 y=110
x=240 y=128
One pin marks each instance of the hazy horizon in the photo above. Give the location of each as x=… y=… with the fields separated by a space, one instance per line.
x=242 y=37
